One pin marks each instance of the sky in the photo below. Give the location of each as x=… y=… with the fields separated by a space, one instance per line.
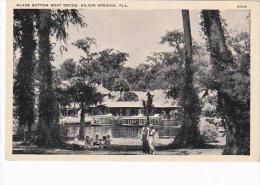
x=138 y=32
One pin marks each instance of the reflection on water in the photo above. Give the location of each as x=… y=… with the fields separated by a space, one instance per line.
x=117 y=131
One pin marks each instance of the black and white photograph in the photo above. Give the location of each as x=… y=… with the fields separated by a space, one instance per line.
x=131 y=81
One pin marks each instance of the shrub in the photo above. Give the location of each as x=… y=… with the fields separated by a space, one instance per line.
x=208 y=131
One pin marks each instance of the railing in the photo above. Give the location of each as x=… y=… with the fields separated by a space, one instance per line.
x=139 y=121
x=129 y=120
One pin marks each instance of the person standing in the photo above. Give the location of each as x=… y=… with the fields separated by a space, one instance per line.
x=145 y=131
x=151 y=139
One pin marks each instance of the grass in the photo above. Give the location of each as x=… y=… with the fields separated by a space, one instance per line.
x=116 y=149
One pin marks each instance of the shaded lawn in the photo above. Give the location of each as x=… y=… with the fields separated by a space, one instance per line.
x=19 y=148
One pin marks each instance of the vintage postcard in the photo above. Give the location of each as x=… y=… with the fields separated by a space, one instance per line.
x=133 y=80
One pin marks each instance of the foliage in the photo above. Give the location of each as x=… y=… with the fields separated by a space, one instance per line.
x=164 y=70
x=61 y=19
x=175 y=39
x=230 y=76
x=111 y=59
x=172 y=93
x=81 y=91
x=68 y=69
x=189 y=135
x=209 y=108
x=82 y=88
x=129 y=96
x=87 y=73
x=121 y=85
x=209 y=132
x=24 y=77
x=51 y=23
x=111 y=64
x=85 y=45
x=227 y=72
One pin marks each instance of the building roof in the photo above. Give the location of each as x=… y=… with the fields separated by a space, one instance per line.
x=139 y=104
x=158 y=95
x=122 y=104
x=101 y=89
x=166 y=104
x=160 y=99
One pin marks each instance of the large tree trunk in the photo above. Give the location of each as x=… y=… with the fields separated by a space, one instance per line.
x=220 y=54
x=148 y=105
x=23 y=87
x=147 y=118
x=187 y=38
x=237 y=125
x=236 y=122
x=189 y=135
x=120 y=96
x=82 y=120
x=48 y=126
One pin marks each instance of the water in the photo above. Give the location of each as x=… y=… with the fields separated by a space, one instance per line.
x=117 y=131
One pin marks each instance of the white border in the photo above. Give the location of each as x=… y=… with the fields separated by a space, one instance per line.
x=79 y=173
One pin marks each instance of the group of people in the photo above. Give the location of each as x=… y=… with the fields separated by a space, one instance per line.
x=96 y=142
x=148 y=139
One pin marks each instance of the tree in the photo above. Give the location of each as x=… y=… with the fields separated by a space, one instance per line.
x=51 y=23
x=68 y=69
x=47 y=124
x=172 y=93
x=85 y=94
x=111 y=62
x=88 y=69
x=148 y=106
x=173 y=62
x=85 y=45
x=120 y=85
x=129 y=96
x=166 y=67
x=24 y=79
x=88 y=72
x=175 y=39
x=130 y=75
x=189 y=135
x=231 y=83
x=112 y=59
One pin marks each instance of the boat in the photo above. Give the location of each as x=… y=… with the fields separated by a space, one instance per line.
x=133 y=121
x=70 y=120
x=140 y=120
x=102 y=120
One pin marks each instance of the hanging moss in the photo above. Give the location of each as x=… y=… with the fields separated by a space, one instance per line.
x=24 y=79
x=233 y=108
x=189 y=134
